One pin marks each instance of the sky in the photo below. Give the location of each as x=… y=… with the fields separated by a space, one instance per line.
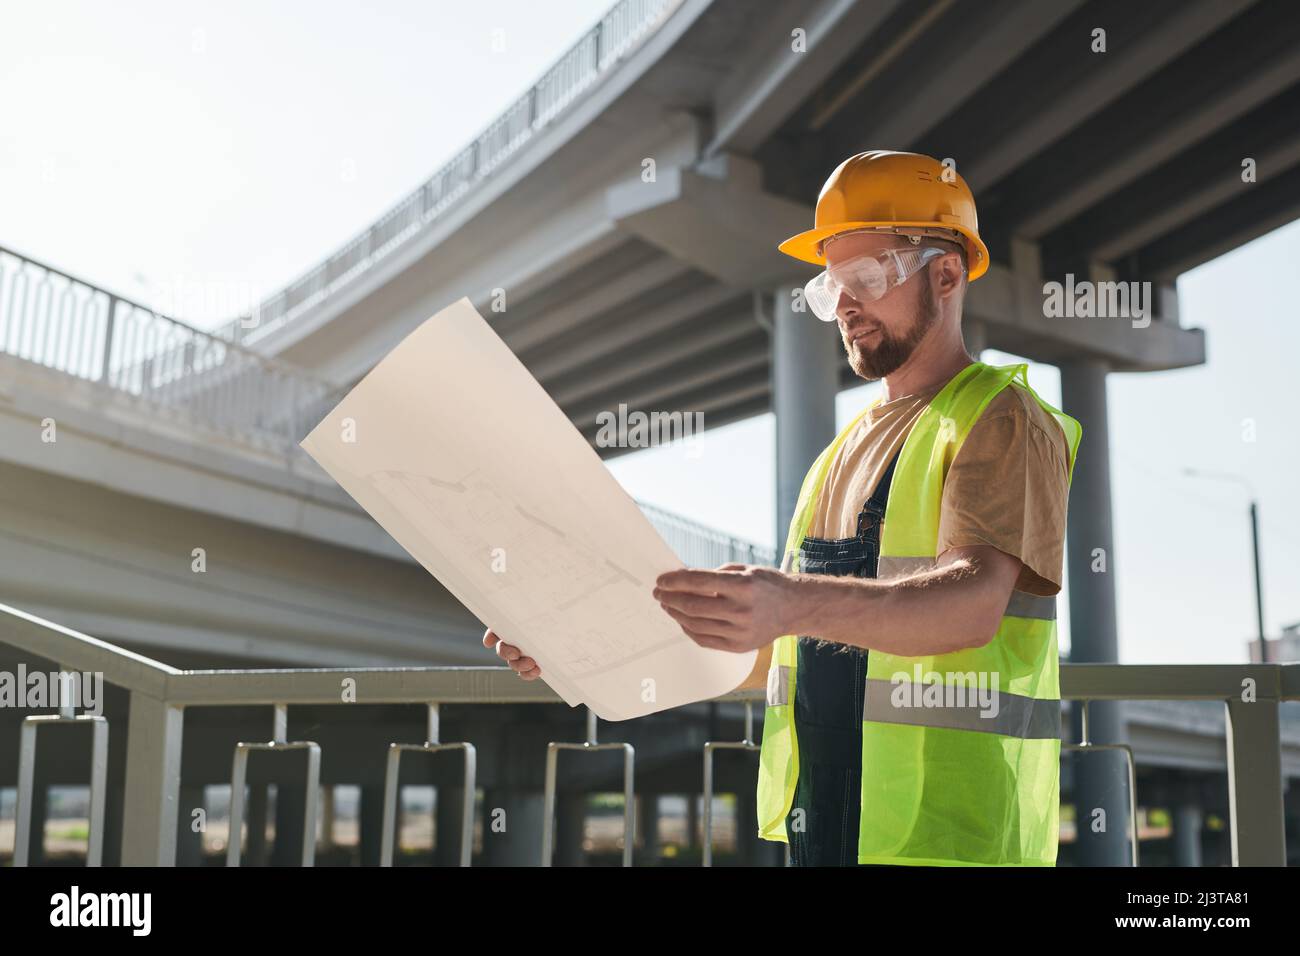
x=198 y=156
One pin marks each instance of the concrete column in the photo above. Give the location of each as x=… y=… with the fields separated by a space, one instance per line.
x=1101 y=780
x=447 y=815
x=113 y=804
x=371 y=824
x=807 y=356
x=1187 y=835
x=975 y=334
x=647 y=818
x=693 y=801
x=189 y=844
x=748 y=849
x=327 y=815
x=290 y=816
x=570 y=829
x=40 y=810
x=255 y=814
x=520 y=843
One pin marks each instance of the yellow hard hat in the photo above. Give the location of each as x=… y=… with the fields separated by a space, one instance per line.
x=888 y=190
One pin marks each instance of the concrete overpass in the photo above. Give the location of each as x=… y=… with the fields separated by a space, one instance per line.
x=618 y=224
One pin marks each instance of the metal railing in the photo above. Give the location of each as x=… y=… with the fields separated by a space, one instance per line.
x=159 y=695
x=700 y=546
x=617 y=34
x=61 y=322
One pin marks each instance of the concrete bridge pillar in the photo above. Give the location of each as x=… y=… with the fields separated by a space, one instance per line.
x=975 y=334
x=647 y=820
x=447 y=814
x=1187 y=834
x=807 y=356
x=570 y=829
x=189 y=842
x=1101 y=779
x=520 y=842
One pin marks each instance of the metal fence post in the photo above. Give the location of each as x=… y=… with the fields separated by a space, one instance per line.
x=1255 y=780
x=392 y=790
x=1086 y=745
x=27 y=781
x=153 y=777
x=629 y=797
x=239 y=773
x=109 y=324
x=747 y=743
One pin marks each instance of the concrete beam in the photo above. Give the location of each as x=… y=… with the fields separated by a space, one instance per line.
x=654 y=392
x=732 y=399
x=1171 y=256
x=770 y=80
x=1165 y=141
x=1132 y=234
x=1125 y=67
x=617 y=293
x=927 y=99
x=1012 y=312
x=723 y=227
x=605 y=339
x=663 y=360
x=806 y=360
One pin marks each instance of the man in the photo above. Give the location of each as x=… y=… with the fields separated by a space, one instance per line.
x=914 y=610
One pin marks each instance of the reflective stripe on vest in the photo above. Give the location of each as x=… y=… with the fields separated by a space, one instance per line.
x=778 y=685
x=945 y=781
x=1022 y=603
x=964 y=707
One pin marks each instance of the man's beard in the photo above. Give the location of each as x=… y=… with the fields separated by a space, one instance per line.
x=889 y=356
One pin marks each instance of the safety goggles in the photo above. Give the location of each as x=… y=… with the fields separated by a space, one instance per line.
x=865 y=278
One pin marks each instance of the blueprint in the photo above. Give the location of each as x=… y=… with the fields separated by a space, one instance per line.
x=461 y=455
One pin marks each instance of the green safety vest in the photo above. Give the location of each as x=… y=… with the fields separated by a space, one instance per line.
x=960 y=751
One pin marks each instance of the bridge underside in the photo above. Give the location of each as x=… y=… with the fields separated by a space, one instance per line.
x=647 y=287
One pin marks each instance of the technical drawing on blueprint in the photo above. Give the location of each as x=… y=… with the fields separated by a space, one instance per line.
x=457 y=451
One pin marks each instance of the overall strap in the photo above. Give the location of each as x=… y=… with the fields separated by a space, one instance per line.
x=874 y=508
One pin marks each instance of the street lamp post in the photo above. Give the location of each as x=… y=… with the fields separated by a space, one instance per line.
x=1254 y=540
x=1259 y=588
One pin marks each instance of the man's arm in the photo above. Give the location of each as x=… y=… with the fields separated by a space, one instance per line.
x=1001 y=525
x=955 y=605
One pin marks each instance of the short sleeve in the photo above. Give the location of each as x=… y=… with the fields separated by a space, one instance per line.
x=1008 y=487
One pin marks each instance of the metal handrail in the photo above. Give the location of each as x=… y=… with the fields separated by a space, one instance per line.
x=159 y=695
x=54 y=319
x=700 y=546
x=74 y=650
x=614 y=37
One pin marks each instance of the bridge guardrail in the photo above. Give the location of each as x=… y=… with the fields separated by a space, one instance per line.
x=159 y=694
x=59 y=321
x=616 y=35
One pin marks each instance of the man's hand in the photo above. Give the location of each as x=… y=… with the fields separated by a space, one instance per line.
x=520 y=663
x=738 y=607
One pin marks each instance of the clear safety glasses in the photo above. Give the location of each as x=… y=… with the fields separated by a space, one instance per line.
x=865 y=278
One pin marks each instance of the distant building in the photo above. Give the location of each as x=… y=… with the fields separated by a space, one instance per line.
x=1284 y=649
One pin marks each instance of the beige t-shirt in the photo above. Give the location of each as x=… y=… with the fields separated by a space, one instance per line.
x=1007 y=486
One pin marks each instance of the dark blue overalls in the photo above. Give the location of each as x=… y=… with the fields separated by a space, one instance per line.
x=828 y=705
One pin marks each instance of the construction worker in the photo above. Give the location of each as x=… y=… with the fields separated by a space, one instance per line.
x=908 y=643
